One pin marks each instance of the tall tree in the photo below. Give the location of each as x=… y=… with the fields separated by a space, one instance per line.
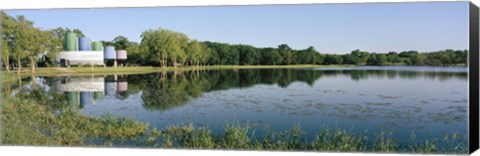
x=180 y=46
x=121 y=42
x=194 y=52
x=136 y=55
x=8 y=25
x=78 y=32
x=393 y=57
x=287 y=52
x=21 y=43
x=41 y=43
x=165 y=45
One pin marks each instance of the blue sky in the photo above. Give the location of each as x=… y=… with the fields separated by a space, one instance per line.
x=330 y=28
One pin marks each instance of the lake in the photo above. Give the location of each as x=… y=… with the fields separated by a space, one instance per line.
x=430 y=101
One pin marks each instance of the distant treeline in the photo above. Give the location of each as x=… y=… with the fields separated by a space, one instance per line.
x=164 y=47
x=23 y=44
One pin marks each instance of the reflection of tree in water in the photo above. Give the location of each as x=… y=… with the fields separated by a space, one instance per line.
x=177 y=89
x=365 y=74
x=167 y=93
x=166 y=90
x=39 y=93
x=162 y=91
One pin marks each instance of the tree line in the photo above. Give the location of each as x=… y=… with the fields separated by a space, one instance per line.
x=24 y=44
x=163 y=47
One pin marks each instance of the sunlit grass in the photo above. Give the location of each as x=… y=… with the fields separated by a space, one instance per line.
x=24 y=117
x=45 y=71
x=8 y=76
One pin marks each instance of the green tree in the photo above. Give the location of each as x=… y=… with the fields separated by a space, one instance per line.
x=310 y=56
x=179 y=55
x=205 y=54
x=165 y=45
x=136 y=55
x=194 y=52
x=53 y=46
x=248 y=55
x=151 y=42
x=270 y=56
x=416 y=59
x=382 y=59
x=333 y=59
x=287 y=53
x=21 y=42
x=8 y=26
x=41 y=42
x=393 y=57
x=78 y=32
x=121 y=43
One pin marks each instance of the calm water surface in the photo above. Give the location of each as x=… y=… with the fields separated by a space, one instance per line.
x=431 y=101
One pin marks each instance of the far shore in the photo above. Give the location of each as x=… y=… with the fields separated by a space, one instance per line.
x=53 y=71
x=99 y=70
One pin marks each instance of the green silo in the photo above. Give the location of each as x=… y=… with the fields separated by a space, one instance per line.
x=70 y=41
x=97 y=46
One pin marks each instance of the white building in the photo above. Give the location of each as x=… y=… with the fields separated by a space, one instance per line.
x=81 y=57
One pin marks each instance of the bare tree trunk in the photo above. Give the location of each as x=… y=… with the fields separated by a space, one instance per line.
x=7 y=64
x=162 y=63
x=175 y=64
x=32 y=64
x=19 y=65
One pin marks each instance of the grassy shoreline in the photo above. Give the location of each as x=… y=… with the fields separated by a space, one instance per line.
x=149 y=69
x=27 y=122
x=57 y=71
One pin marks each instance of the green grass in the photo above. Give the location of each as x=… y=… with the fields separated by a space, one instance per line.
x=240 y=137
x=24 y=117
x=8 y=76
x=148 y=69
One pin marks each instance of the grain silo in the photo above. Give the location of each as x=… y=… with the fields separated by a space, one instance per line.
x=84 y=44
x=97 y=46
x=70 y=43
x=109 y=53
x=121 y=54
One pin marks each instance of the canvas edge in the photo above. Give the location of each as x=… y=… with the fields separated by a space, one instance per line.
x=473 y=78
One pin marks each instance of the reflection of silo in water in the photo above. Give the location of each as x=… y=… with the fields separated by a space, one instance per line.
x=110 y=88
x=98 y=95
x=73 y=99
x=85 y=99
x=122 y=86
